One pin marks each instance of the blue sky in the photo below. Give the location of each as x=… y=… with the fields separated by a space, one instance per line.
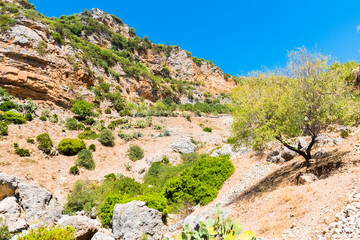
x=238 y=36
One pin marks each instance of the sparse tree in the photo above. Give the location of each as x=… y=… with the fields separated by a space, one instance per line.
x=300 y=100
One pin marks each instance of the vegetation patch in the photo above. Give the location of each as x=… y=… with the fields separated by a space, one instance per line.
x=71 y=147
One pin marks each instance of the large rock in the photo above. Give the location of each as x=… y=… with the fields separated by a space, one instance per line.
x=224 y=150
x=38 y=203
x=307 y=178
x=85 y=227
x=10 y=214
x=287 y=154
x=184 y=146
x=101 y=236
x=134 y=219
x=8 y=185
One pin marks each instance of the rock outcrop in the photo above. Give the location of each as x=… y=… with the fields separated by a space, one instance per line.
x=184 y=146
x=85 y=227
x=134 y=219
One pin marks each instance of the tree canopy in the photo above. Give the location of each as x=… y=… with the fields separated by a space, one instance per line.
x=302 y=99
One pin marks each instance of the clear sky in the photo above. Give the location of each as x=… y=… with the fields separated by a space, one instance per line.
x=238 y=36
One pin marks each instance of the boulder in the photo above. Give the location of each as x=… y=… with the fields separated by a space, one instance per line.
x=274 y=157
x=224 y=150
x=184 y=146
x=8 y=185
x=307 y=178
x=287 y=154
x=85 y=227
x=10 y=214
x=152 y=158
x=134 y=219
x=302 y=144
x=101 y=236
x=338 y=141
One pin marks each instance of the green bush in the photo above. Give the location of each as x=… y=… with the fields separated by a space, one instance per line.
x=130 y=136
x=53 y=233
x=57 y=37
x=92 y=147
x=82 y=108
x=30 y=140
x=45 y=143
x=89 y=121
x=201 y=182
x=207 y=129
x=7 y=105
x=106 y=138
x=71 y=147
x=4 y=231
x=107 y=111
x=85 y=159
x=344 y=133
x=6 y=22
x=28 y=116
x=74 y=170
x=12 y=117
x=88 y=134
x=54 y=118
x=71 y=124
x=135 y=152
x=106 y=208
x=3 y=129
x=43 y=118
x=22 y=152
x=41 y=47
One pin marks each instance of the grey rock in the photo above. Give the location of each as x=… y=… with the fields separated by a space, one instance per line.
x=101 y=236
x=271 y=157
x=307 y=178
x=321 y=153
x=153 y=159
x=287 y=154
x=184 y=146
x=85 y=227
x=133 y=219
x=338 y=140
x=10 y=214
x=323 y=139
x=8 y=185
x=224 y=150
x=23 y=35
x=302 y=143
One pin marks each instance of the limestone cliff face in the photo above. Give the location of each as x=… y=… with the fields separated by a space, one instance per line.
x=52 y=76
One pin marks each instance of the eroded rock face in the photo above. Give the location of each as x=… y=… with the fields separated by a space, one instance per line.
x=184 y=146
x=85 y=227
x=134 y=219
x=224 y=150
x=8 y=185
x=101 y=236
x=10 y=214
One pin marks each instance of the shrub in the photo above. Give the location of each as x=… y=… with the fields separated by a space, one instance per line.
x=21 y=151
x=71 y=147
x=82 y=108
x=74 y=170
x=4 y=231
x=106 y=138
x=41 y=47
x=71 y=124
x=167 y=134
x=135 y=152
x=54 y=118
x=7 y=105
x=140 y=124
x=6 y=22
x=45 y=143
x=92 y=147
x=89 y=121
x=12 y=117
x=107 y=111
x=344 y=133
x=88 y=134
x=57 y=38
x=53 y=233
x=85 y=159
x=28 y=116
x=43 y=118
x=30 y=140
x=207 y=129
x=130 y=136
x=3 y=129
x=201 y=182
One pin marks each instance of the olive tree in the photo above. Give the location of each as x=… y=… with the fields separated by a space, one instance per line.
x=302 y=99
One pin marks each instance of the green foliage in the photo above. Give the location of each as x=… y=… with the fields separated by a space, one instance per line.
x=22 y=152
x=201 y=182
x=82 y=108
x=54 y=118
x=4 y=231
x=106 y=208
x=89 y=121
x=12 y=117
x=85 y=159
x=53 y=233
x=107 y=111
x=57 y=37
x=117 y=122
x=71 y=147
x=45 y=143
x=106 y=138
x=88 y=134
x=28 y=117
x=207 y=129
x=74 y=170
x=344 y=133
x=135 y=152
x=26 y=4
x=7 y=105
x=43 y=118
x=283 y=107
x=6 y=22
x=41 y=47
x=71 y=124
x=130 y=136
x=3 y=129
x=92 y=147
x=30 y=140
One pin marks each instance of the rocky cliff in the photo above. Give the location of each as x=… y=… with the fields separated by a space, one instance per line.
x=59 y=59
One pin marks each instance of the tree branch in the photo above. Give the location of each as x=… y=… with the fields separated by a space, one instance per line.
x=302 y=153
